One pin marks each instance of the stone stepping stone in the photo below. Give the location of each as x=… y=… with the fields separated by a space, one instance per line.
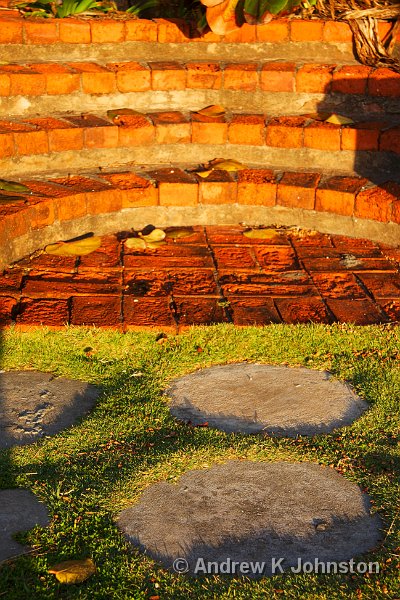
x=34 y=404
x=20 y=510
x=248 y=512
x=254 y=398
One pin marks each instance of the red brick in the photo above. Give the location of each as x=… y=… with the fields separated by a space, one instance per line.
x=314 y=78
x=286 y=132
x=376 y=203
x=71 y=207
x=306 y=30
x=167 y=76
x=337 y=194
x=107 y=255
x=107 y=201
x=351 y=79
x=244 y=34
x=106 y=31
x=6 y=144
x=337 y=31
x=11 y=31
x=136 y=130
x=131 y=76
x=168 y=256
x=278 y=77
x=384 y=82
x=234 y=257
x=203 y=75
x=32 y=142
x=141 y=30
x=7 y=309
x=323 y=136
x=302 y=310
x=101 y=311
x=59 y=79
x=5 y=84
x=359 y=312
x=40 y=31
x=361 y=136
x=346 y=262
x=247 y=129
x=382 y=285
x=234 y=235
x=98 y=133
x=65 y=139
x=209 y=132
x=95 y=78
x=276 y=258
x=172 y=31
x=157 y=282
x=147 y=312
x=74 y=31
x=192 y=310
x=391 y=308
x=275 y=31
x=80 y=184
x=257 y=187
x=43 y=213
x=338 y=285
x=133 y=189
x=217 y=188
x=253 y=311
x=64 y=284
x=390 y=140
x=171 y=127
x=297 y=190
x=11 y=280
x=43 y=311
x=241 y=76
x=27 y=83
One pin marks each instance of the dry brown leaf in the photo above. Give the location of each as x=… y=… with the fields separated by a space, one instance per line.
x=73 y=571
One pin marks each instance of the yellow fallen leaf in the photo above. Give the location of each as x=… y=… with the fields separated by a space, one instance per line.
x=154 y=236
x=135 y=242
x=214 y=111
x=339 y=120
x=179 y=232
x=73 y=571
x=260 y=234
x=77 y=248
x=226 y=164
x=154 y=245
x=203 y=173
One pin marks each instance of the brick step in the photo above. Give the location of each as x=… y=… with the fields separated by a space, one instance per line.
x=214 y=275
x=282 y=87
x=115 y=39
x=65 y=207
x=68 y=143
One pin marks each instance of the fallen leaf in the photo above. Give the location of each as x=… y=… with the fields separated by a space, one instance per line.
x=156 y=235
x=154 y=245
x=13 y=186
x=214 y=111
x=260 y=234
x=116 y=112
x=322 y=116
x=73 y=571
x=77 y=248
x=179 y=232
x=339 y=120
x=4 y=199
x=226 y=164
x=135 y=242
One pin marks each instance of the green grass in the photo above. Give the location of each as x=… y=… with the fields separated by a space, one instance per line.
x=89 y=472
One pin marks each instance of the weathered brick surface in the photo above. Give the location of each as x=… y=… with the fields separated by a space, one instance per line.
x=147 y=312
x=201 y=310
x=101 y=311
x=43 y=311
x=257 y=310
x=303 y=310
x=360 y=312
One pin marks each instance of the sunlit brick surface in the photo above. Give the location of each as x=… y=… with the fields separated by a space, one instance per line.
x=212 y=275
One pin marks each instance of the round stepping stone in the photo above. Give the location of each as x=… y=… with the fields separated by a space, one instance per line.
x=20 y=510
x=34 y=404
x=254 y=398
x=248 y=512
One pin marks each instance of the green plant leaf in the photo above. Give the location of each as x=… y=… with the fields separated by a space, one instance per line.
x=13 y=186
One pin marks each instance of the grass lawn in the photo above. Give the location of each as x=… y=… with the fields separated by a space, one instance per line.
x=90 y=472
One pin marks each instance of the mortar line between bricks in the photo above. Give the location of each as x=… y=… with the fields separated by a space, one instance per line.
x=227 y=311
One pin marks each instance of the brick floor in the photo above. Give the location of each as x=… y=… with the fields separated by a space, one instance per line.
x=213 y=275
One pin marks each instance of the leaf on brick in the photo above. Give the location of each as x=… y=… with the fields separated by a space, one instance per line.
x=154 y=236
x=261 y=234
x=214 y=111
x=221 y=164
x=136 y=243
x=78 y=248
x=74 y=571
x=339 y=120
x=116 y=112
x=179 y=232
x=13 y=186
x=154 y=245
x=5 y=199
